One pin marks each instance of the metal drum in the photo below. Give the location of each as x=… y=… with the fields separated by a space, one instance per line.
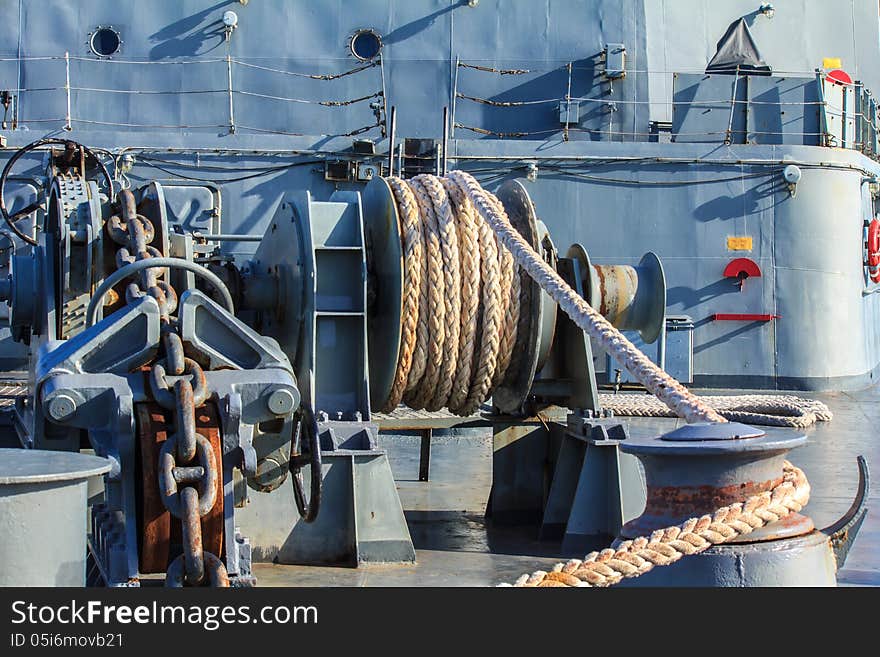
x=43 y=501
x=698 y=468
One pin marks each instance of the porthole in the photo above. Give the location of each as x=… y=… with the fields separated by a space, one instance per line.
x=105 y=41
x=365 y=44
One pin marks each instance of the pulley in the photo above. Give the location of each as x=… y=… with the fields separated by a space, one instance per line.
x=631 y=298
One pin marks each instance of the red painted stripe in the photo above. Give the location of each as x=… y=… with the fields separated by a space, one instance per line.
x=724 y=317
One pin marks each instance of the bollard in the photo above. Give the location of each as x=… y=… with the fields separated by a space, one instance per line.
x=698 y=468
x=43 y=503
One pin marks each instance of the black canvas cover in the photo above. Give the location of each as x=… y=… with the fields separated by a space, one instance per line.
x=737 y=51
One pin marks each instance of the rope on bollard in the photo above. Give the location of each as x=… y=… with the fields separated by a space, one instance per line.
x=632 y=558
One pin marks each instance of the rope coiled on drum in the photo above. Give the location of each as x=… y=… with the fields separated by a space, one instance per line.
x=472 y=349
x=460 y=300
x=459 y=329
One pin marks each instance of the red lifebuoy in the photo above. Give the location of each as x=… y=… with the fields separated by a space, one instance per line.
x=874 y=250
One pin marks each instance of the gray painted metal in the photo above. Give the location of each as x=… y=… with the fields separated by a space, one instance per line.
x=382 y=232
x=317 y=252
x=361 y=518
x=631 y=298
x=679 y=361
x=568 y=479
x=690 y=196
x=513 y=391
x=182 y=99
x=45 y=547
x=595 y=488
x=568 y=377
x=523 y=456
x=324 y=332
x=95 y=366
x=842 y=533
x=688 y=477
x=796 y=562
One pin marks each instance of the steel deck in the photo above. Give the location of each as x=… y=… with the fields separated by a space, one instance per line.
x=457 y=546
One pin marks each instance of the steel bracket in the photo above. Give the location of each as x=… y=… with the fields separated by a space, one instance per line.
x=361 y=518
x=843 y=532
x=595 y=488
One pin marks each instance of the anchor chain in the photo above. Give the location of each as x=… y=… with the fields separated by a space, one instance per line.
x=188 y=469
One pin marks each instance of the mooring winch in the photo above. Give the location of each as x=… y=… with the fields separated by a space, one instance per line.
x=199 y=377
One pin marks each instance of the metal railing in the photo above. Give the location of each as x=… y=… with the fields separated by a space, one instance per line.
x=846 y=113
x=74 y=115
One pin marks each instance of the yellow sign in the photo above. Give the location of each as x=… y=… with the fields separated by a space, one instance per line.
x=832 y=62
x=739 y=243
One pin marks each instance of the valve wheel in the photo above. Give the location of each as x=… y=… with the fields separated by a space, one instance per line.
x=310 y=454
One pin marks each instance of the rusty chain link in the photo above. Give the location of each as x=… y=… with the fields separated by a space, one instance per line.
x=188 y=469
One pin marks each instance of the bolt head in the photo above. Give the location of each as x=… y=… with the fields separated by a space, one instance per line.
x=62 y=407
x=282 y=401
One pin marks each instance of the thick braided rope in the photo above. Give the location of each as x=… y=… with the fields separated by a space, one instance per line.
x=431 y=334
x=490 y=326
x=452 y=284
x=422 y=354
x=659 y=383
x=663 y=547
x=766 y=410
x=461 y=300
x=469 y=255
x=412 y=275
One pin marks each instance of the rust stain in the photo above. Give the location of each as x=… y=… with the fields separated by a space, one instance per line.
x=603 y=293
x=154 y=520
x=698 y=500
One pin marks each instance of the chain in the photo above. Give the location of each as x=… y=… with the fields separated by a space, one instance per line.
x=188 y=469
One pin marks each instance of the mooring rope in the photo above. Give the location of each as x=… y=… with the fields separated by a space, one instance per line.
x=767 y=410
x=463 y=280
x=452 y=304
x=432 y=293
x=632 y=558
x=460 y=300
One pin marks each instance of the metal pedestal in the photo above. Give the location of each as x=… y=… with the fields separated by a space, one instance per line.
x=595 y=488
x=523 y=453
x=698 y=468
x=570 y=480
x=43 y=500
x=361 y=518
x=801 y=561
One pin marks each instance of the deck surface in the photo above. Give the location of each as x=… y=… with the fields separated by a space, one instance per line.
x=456 y=546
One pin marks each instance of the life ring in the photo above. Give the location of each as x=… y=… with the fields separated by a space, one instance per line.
x=874 y=250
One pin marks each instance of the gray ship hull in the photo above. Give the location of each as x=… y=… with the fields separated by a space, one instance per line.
x=191 y=102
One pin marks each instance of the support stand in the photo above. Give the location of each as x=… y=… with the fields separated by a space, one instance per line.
x=595 y=488
x=361 y=518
